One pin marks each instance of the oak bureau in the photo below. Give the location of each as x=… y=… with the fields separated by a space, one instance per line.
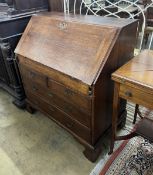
x=66 y=63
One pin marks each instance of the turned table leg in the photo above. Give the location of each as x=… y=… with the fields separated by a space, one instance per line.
x=116 y=101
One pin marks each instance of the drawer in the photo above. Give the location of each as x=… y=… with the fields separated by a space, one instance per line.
x=135 y=95
x=72 y=110
x=61 y=118
x=70 y=95
x=29 y=76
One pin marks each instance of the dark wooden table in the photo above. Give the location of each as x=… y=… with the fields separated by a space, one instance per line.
x=133 y=82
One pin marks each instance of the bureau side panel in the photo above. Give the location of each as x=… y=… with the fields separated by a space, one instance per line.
x=103 y=91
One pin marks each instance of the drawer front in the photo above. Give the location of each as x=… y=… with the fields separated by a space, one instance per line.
x=60 y=117
x=29 y=76
x=51 y=98
x=70 y=96
x=136 y=96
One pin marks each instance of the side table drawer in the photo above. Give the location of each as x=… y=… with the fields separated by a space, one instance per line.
x=136 y=95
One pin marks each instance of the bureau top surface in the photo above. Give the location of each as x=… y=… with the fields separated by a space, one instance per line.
x=76 y=48
x=91 y=19
x=138 y=71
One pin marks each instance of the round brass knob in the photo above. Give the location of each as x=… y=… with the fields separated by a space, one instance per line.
x=128 y=93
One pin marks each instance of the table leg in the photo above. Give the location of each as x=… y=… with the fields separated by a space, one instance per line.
x=116 y=101
x=135 y=113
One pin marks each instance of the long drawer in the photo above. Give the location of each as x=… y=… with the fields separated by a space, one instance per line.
x=65 y=93
x=70 y=95
x=72 y=110
x=60 y=117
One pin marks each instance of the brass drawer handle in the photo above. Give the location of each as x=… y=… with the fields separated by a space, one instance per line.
x=128 y=93
x=50 y=94
x=36 y=102
x=32 y=74
x=52 y=109
x=34 y=88
x=69 y=125
x=68 y=108
x=68 y=92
